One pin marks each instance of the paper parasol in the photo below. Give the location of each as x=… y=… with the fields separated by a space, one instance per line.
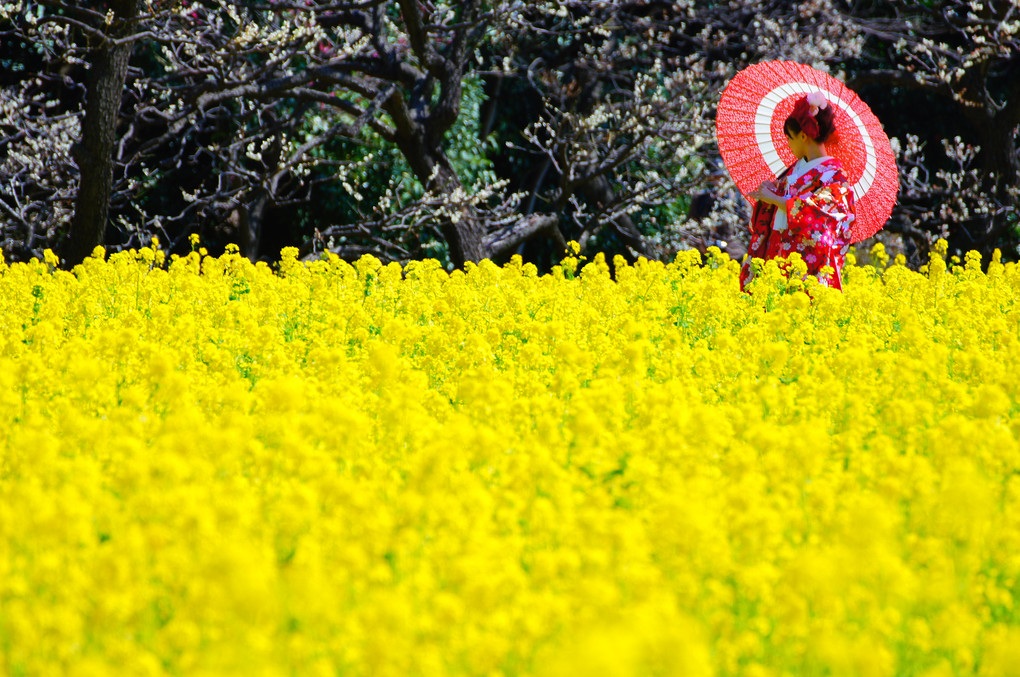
x=749 y=127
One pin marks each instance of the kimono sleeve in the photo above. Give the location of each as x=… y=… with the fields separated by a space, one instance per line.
x=823 y=215
x=761 y=219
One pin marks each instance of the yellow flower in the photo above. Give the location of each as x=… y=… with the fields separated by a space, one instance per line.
x=223 y=467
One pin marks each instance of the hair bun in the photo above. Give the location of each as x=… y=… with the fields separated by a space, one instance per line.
x=813 y=115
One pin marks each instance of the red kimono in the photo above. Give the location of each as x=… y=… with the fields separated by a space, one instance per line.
x=819 y=213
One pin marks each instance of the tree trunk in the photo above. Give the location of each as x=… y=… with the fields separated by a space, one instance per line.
x=464 y=232
x=250 y=217
x=108 y=68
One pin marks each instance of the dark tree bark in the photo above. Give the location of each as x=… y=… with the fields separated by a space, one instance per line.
x=248 y=218
x=505 y=241
x=108 y=69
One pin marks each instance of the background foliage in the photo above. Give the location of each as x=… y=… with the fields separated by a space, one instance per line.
x=475 y=129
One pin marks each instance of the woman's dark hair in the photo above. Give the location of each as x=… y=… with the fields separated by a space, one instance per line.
x=825 y=119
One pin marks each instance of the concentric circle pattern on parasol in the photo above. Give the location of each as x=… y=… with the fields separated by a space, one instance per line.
x=749 y=127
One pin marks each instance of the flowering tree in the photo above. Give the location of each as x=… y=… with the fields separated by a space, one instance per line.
x=242 y=105
x=965 y=55
x=624 y=135
x=128 y=119
x=39 y=179
x=232 y=92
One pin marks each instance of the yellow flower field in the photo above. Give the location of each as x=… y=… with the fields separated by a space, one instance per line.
x=210 y=467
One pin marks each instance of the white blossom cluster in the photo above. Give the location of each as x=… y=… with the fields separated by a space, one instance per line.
x=240 y=53
x=815 y=33
x=944 y=199
x=960 y=52
x=9 y=10
x=978 y=34
x=725 y=222
x=648 y=137
x=399 y=223
x=39 y=177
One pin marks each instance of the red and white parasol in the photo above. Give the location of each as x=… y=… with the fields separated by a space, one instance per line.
x=749 y=127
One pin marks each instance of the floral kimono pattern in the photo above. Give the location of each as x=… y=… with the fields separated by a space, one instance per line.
x=819 y=212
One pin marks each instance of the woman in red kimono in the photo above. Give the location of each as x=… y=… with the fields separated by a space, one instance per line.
x=810 y=207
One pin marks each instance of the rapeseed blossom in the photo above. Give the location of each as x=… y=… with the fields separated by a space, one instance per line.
x=209 y=466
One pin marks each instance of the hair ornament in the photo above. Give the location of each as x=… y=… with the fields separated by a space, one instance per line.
x=805 y=110
x=816 y=102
